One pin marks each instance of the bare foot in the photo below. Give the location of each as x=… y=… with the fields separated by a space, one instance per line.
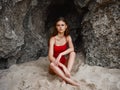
x=75 y=83
x=63 y=83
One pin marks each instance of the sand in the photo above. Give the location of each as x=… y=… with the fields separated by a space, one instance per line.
x=34 y=75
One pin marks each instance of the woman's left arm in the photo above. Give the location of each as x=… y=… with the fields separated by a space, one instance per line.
x=70 y=46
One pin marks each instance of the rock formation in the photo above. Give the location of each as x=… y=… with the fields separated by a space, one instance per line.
x=34 y=75
x=25 y=26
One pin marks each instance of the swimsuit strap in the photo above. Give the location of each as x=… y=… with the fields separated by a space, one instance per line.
x=55 y=40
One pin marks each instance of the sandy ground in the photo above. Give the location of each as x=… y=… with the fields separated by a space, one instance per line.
x=34 y=76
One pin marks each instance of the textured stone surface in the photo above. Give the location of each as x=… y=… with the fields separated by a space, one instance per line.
x=34 y=76
x=11 y=29
x=81 y=3
x=25 y=26
x=101 y=34
x=22 y=36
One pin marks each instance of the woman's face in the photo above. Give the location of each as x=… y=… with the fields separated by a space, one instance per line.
x=61 y=26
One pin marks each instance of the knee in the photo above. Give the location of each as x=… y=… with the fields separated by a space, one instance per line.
x=52 y=65
x=73 y=53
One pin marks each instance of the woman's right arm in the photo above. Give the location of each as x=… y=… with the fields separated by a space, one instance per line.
x=51 y=48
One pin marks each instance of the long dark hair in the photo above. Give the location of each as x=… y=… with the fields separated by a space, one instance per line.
x=55 y=32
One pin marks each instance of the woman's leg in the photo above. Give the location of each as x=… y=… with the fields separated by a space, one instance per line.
x=65 y=69
x=60 y=73
x=71 y=60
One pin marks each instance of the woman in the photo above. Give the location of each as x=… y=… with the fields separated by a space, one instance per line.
x=60 y=45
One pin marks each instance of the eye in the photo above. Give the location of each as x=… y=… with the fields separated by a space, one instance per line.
x=57 y=25
x=60 y=25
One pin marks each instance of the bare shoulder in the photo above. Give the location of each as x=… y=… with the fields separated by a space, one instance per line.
x=52 y=39
x=68 y=38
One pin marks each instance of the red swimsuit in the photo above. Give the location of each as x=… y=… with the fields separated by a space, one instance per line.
x=58 y=50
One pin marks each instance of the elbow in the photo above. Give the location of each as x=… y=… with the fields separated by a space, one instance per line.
x=72 y=49
x=50 y=58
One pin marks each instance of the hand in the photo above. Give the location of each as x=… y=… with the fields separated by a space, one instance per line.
x=58 y=59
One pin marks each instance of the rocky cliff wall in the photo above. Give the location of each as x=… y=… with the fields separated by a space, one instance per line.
x=25 y=26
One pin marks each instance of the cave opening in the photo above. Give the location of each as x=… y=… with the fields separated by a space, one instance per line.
x=67 y=9
x=3 y=63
